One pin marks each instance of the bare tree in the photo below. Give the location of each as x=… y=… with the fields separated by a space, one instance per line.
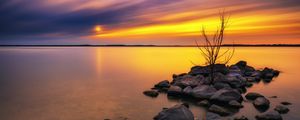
x=212 y=49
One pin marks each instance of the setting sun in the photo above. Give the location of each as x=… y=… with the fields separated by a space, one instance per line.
x=98 y=28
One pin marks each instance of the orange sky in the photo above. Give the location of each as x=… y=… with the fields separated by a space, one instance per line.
x=252 y=23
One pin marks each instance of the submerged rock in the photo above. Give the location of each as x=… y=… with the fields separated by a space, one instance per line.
x=177 y=112
x=226 y=95
x=271 y=115
x=151 y=93
x=253 y=95
x=281 y=109
x=286 y=103
x=261 y=102
x=219 y=110
x=203 y=92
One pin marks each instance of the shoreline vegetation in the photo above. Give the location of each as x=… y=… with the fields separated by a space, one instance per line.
x=125 y=45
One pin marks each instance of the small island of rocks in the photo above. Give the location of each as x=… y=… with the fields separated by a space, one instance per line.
x=221 y=97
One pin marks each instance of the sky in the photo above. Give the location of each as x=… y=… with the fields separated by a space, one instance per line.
x=159 y=22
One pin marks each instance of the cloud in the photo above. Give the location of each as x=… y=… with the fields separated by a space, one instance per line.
x=50 y=19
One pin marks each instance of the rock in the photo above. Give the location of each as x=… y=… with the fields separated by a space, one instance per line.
x=219 y=110
x=234 y=103
x=261 y=102
x=221 y=68
x=281 y=109
x=253 y=95
x=204 y=103
x=273 y=97
x=236 y=81
x=187 y=91
x=203 y=92
x=257 y=75
x=271 y=115
x=188 y=80
x=226 y=95
x=269 y=73
x=248 y=84
x=251 y=79
x=175 y=76
x=212 y=116
x=240 y=118
x=177 y=112
x=235 y=69
x=286 y=103
x=205 y=70
x=174 y=91
x=249 y=69
x=220 y=85
x=151 y=93
x=241 y=64
x=162 y=84
x=199 y=70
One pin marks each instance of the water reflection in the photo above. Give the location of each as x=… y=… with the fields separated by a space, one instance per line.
x=107 y=82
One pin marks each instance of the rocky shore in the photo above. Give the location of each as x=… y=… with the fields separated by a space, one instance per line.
x=222 y=97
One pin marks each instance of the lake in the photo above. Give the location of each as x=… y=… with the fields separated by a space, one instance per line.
x=96 y=83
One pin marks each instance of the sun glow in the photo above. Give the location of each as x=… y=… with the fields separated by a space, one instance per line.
x=98 y=28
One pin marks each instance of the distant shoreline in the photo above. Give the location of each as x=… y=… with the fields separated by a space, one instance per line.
x=121 y=45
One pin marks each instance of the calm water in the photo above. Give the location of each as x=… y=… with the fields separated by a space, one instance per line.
x=107 y=82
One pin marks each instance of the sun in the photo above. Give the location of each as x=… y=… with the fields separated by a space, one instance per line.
x=98 y=28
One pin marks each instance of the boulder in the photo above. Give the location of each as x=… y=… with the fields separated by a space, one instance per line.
x=199 y=70
x=236 y=81
x=241 y=64
x=257 y=75
x=253 y=95
x=179 y=75
x=212 y=116
x=281 y=109
x=269 y=73
x=177 y=112
x=151 y=93
x=221 y=68
x=162 y=84
x=261 y=102
x=204 y=103
x=235 y=104
x=271 y=115
x=240 y=118
x=174 y=91
x=203 y=92
x=188 y=80
x=235 y=69
x=220 y=85
x=226 y=95
x=187 y=91
x=219 y=110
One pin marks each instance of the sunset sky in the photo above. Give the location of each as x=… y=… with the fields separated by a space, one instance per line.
x=173 y=22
